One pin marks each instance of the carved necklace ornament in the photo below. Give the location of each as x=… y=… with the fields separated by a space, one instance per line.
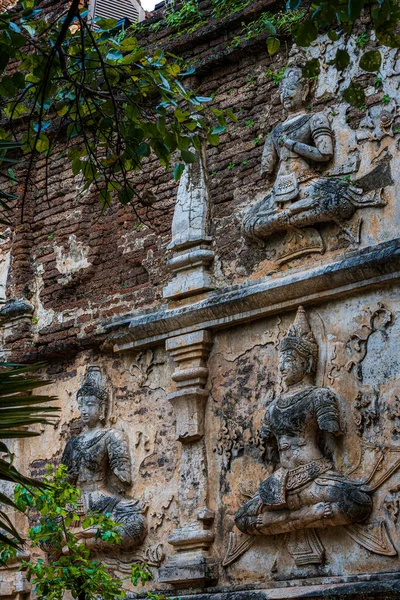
x=99 y=464
x=306 y=493
x=300 y=198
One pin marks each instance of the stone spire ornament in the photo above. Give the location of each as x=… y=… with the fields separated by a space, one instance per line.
x=192 y=254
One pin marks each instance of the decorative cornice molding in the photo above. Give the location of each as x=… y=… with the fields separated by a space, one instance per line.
x=356 y=271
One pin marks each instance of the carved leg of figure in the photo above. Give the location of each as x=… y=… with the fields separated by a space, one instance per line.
x=323 y=514
x=266 y=225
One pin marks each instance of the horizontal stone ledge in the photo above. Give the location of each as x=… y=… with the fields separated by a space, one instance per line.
x=361 y=270
x=362 y=587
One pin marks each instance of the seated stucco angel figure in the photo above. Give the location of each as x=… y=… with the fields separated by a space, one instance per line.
x=300 y=197
x=305 y=491
x=99 y=464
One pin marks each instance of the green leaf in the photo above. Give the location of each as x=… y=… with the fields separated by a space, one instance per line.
x=105 y=198
x=371 y=61
x=188 y=156
x=354 y=9
x=311 y=69
x=342 y=59
x=129 y=44
x=143 y=149
x=305 y=33
x=231 y=115
x=42 y=143
x=178 y=170
x=7 y=87
x=354 y=95
x=218 y=130
x=273 y=45
x=125 y=196
x=269 y=27
x=213 y=139
x=106 y=24
x=4 y=58
x=332 y=35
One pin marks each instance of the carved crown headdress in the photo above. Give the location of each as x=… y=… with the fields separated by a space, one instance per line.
x=293 y=72
x=301 y=338
x=93 y=385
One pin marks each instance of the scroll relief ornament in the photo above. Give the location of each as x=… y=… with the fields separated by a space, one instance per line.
x=99 y=464
x=307 y=493
x=300 y=197
x=356 y=347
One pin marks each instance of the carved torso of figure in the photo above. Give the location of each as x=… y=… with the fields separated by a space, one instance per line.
x=295 y=421
x=310 y=139
x=99 y=460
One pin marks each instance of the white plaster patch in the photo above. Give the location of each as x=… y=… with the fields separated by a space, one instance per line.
x=74 y=260
x=4 y=269
x=42 y=317
x=130 y=241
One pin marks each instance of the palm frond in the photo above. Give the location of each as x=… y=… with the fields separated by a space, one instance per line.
x=19 y=409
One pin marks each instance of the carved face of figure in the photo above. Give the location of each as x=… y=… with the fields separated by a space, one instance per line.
x=293 y=366
x=292 y=90
x=92 y=410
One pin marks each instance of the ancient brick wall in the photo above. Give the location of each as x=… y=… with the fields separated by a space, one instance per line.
x=81 y=266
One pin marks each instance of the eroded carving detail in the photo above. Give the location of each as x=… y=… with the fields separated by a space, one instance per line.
x=142 y=366
x=151 y=556
x=366 y=412
x=394 y=415
x=301 y=197
x=357 y=345
x=392 y=503
x=99 y=464
x=306 y=492
x=232 y=439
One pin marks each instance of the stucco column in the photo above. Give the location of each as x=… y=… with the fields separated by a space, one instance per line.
x=192 y=562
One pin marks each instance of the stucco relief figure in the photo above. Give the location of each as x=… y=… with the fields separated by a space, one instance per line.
x=99 y=464
x=305 y=491
x=300 y=197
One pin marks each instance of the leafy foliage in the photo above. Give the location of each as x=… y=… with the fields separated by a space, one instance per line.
x=19 y=409
x=114 y=103
x=6 y=175
x=305 y=21
x=59 y=529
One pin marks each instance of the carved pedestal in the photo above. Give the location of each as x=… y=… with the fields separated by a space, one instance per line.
x=192 y=562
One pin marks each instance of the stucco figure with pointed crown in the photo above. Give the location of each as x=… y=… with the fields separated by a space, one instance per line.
x=99 y=464
x=300 y=197
x=305 y=492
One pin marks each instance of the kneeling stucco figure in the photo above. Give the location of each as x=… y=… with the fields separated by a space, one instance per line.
x=99 y=464
x=300 y=197
x=306 y=493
